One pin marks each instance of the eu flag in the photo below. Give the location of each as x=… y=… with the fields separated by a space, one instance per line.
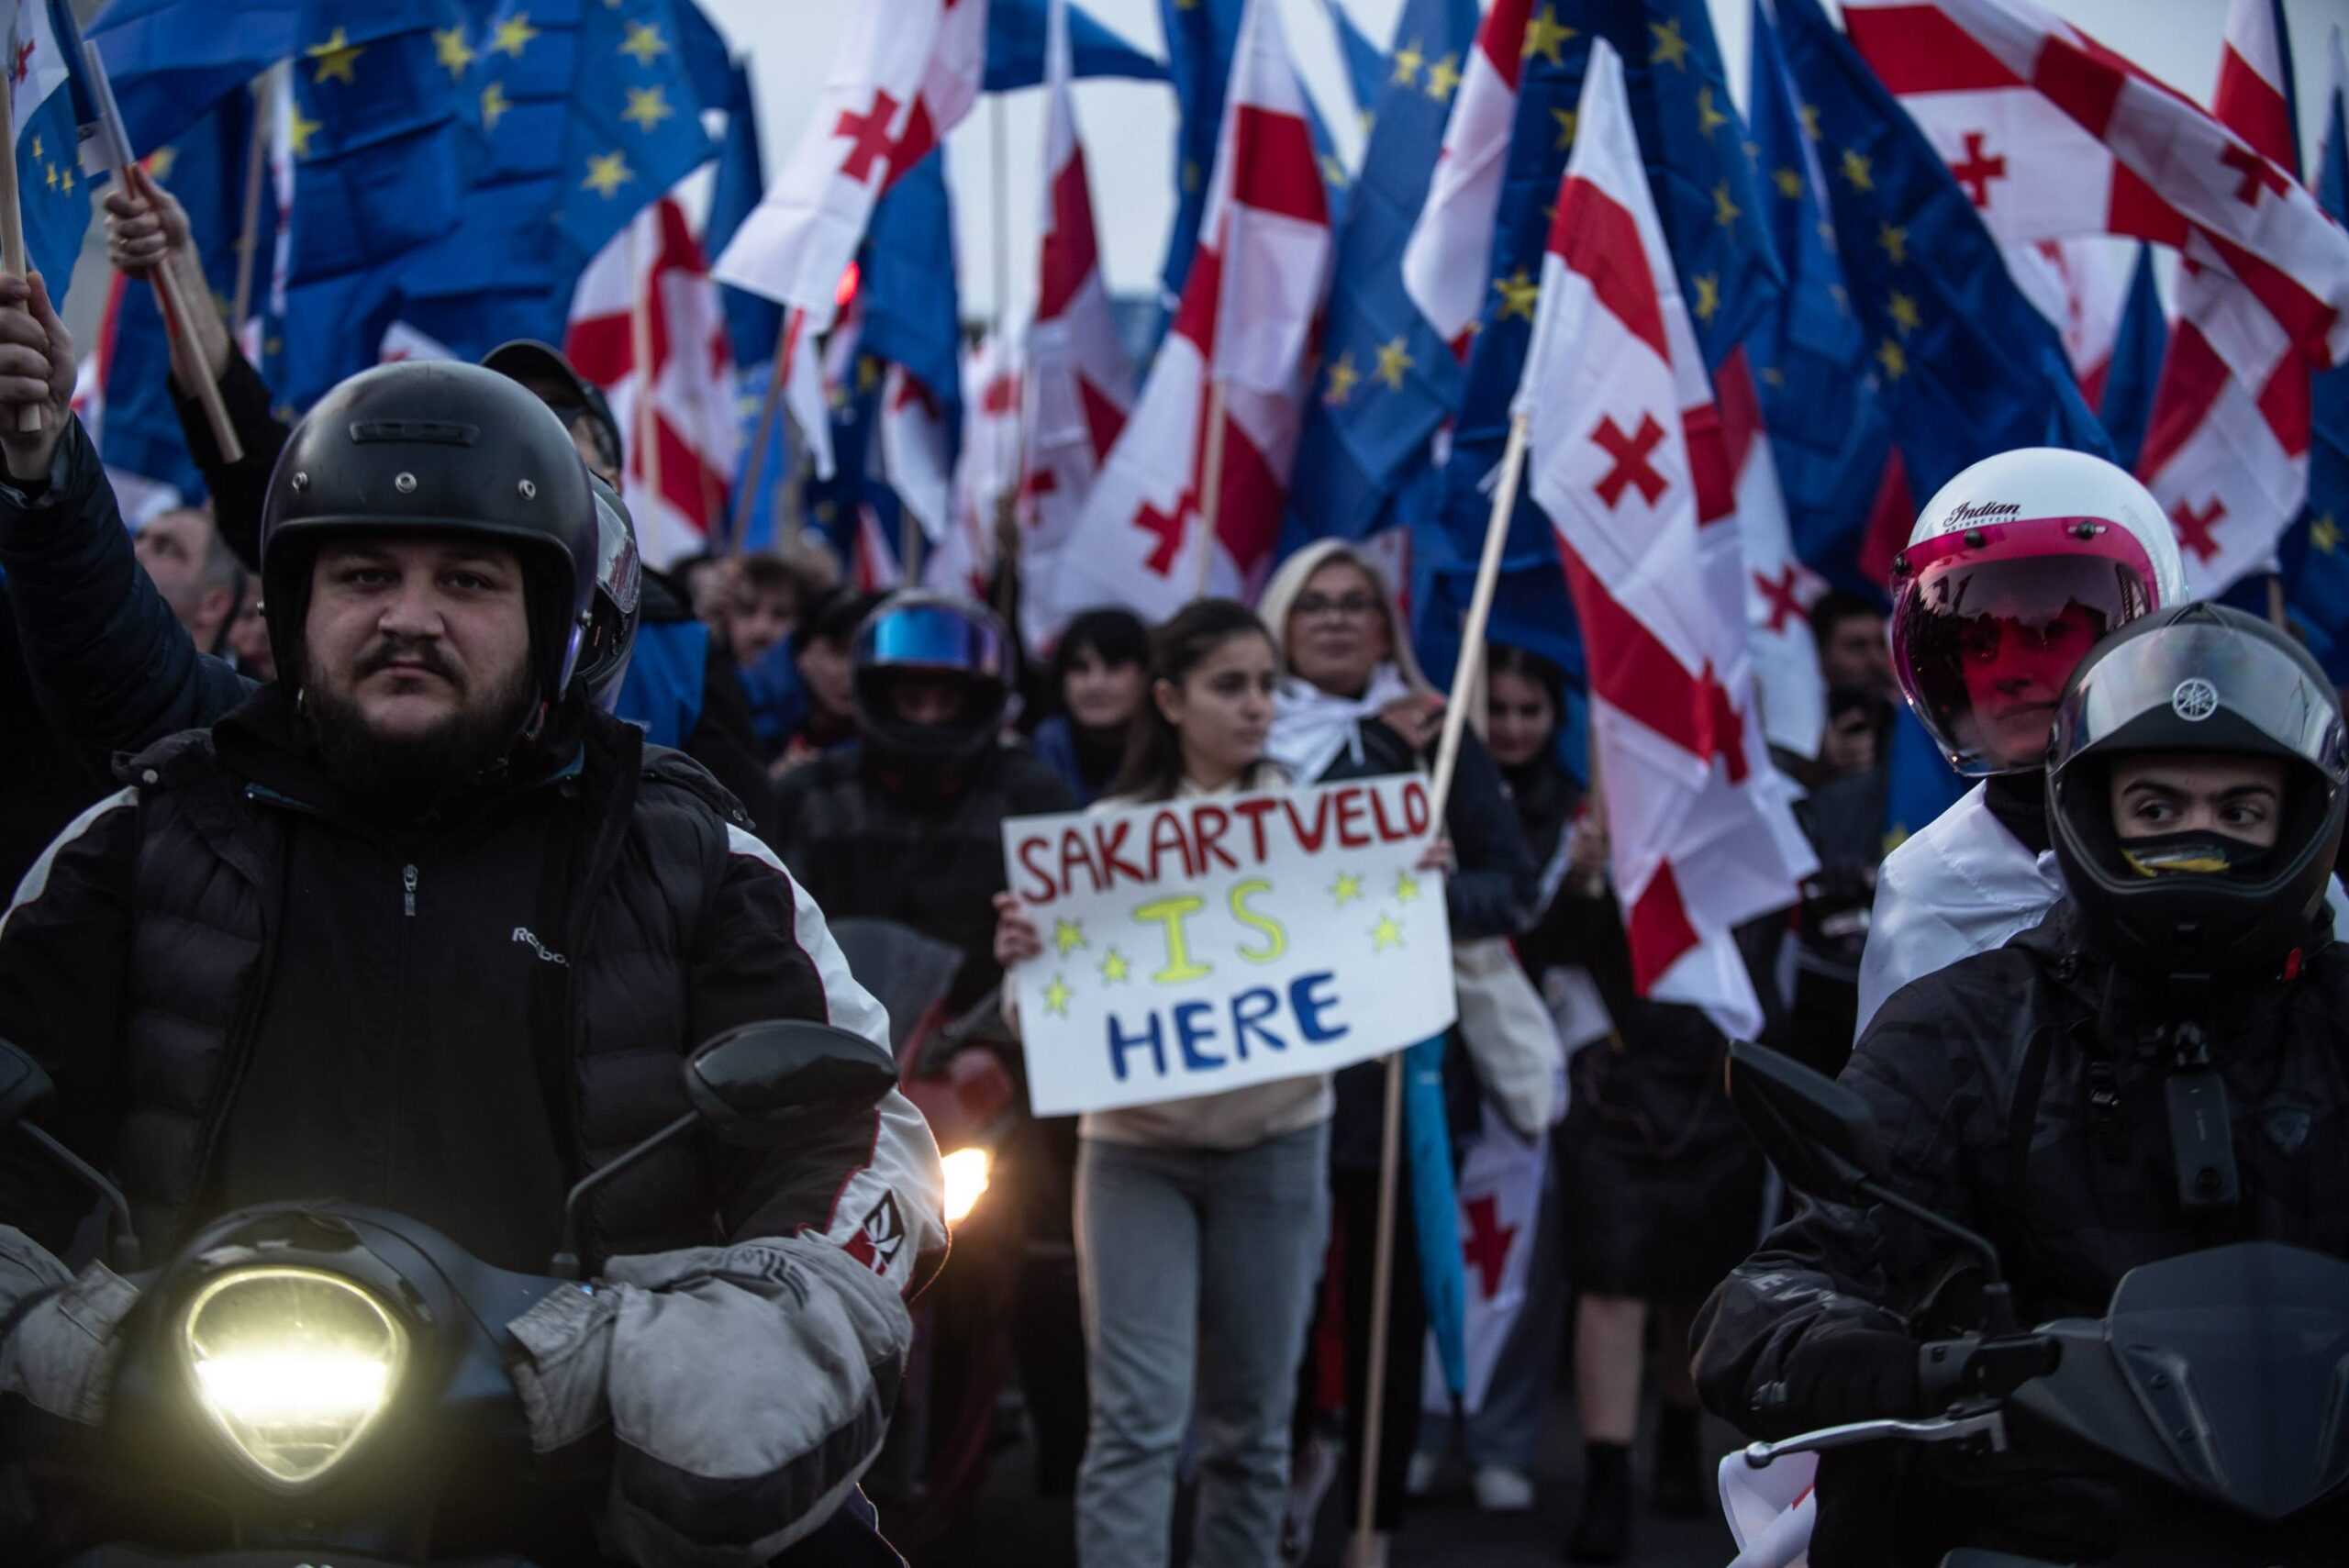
x=1968 y=367
x=2315 y=566
x=170 y=60
x=591 y=111
x=1812 y=369
x=1015 y=48
x=379 y=145
x=754 y=322
x=1388 y=381
x=911 y=314
x=2126 y=407
x=1366 y=67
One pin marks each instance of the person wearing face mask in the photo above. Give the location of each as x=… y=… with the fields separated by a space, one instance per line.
x=1100 y=670
x=1199 y=1222
x=2013 y=571
x=1353 y=703
x=2195 y=789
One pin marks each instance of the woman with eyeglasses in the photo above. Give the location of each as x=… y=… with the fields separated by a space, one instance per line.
x=1352 y=704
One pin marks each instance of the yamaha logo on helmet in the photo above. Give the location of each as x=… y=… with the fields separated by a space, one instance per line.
x=2195 y=699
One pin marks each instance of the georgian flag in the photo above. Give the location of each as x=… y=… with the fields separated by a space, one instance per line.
x=905 y=75
x=965 y=562
x=2052 y=136
x=1247 y=311
x=1450 y=247
x=1630 y=462
x=2226 y=447
x=1080 y=381
x=676 y=416
x=2082 y=286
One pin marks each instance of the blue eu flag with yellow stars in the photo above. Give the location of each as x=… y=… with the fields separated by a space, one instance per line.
x=591 y=112
x=2315 y=553
x=1387 y=379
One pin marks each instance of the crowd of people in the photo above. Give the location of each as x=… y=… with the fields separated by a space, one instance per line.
x=360 y=709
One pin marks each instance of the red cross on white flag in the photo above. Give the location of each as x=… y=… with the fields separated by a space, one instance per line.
x=1629 y=459
x=2092 y=144
x=906 y=73
x=1450 y=247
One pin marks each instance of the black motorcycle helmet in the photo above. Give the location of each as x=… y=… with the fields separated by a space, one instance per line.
x=927 y=634
x=433 y=446
x=2198 y=678
x=619 y=591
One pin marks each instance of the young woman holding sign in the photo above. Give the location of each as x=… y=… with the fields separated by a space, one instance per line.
x=1352 y=704
x=1199 y=1222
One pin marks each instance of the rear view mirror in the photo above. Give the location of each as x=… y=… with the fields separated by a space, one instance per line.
x=752 y=1081
x=1820 y=1135
x=23 y=1085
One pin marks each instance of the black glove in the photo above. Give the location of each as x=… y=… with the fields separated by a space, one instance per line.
x=1837 y=1375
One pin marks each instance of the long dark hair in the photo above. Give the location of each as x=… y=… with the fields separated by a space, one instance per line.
x=1153 y=768
x=1112 y=635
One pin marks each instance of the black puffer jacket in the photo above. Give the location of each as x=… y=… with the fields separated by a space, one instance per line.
x=2015 y=1095
x=875 y=840
x=137 y=963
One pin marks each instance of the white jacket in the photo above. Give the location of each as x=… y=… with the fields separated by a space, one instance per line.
x=1963 y=885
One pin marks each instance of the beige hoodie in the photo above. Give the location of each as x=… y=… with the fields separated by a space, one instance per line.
x=1237 y=1118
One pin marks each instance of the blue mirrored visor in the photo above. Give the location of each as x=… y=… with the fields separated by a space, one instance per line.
x=930 y=636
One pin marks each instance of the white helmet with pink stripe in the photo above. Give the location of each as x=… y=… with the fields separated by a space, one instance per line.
x=2014 y=571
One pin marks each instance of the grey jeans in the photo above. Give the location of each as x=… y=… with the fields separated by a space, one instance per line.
x=1195 y=1264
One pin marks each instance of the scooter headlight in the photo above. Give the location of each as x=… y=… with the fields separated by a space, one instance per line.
x=293 y=1365
x=967 y=1172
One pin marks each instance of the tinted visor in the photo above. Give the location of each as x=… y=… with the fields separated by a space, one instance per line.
x=1984 y=646
x=930 y=636
x=2204 y=687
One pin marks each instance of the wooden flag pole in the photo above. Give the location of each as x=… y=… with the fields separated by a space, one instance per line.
x=166 y=283
x=12 y=232
x=1210 y=488
x=1007 y=539
x=645 y=432
x=264 y=96
x=1447 y=761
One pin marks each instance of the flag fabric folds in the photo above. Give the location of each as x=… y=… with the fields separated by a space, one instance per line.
x=1701 y=828
x=1446 y=258
x=1248 y=306
x=2316 y=564
x=2124 y=400
x=1015 y=48
x=49 y=183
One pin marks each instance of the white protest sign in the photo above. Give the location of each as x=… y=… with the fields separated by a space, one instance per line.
x=1213 y=942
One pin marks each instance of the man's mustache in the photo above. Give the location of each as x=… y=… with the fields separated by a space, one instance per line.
x=416 y=654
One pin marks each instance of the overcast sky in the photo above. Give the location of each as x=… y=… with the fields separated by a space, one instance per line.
x=1129 y=127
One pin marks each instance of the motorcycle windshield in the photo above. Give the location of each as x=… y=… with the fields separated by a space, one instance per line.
x=2240 y=1357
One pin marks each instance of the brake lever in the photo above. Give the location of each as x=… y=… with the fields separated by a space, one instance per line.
x=1956 y=1426
x=1949 y=1371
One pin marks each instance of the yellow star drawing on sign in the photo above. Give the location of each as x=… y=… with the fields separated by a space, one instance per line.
x=1543 y=36
x=2325 y=534
x=1346 y=889
x=1670 y=49
x=493 y=104
x=1392 y=363
x=1894 y=241
x=643 y=41
x=336 y=57
x=1708 y=118
x=1067 y=936
x=1385 y=934
x=1809 y=115
x=1566 y=118
x=1789 y=182
x=1856 y=171
x=449 y=44
x=1442 y=77
x=606 y=172
x=1114 y=967
x=1407 y=887
x=1903 y=311
x=1408 y=60
x=514 y=34
x=298 y=130
x=1056 y=995
x=1708 y=295
x=1343 y=376
x=647 y=107
x=1519 y=295
x=1894 y=361
x=1725 y=211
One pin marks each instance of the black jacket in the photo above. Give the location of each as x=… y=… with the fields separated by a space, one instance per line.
x=2016 y=1095
x=141 y=964
x=923 y=847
